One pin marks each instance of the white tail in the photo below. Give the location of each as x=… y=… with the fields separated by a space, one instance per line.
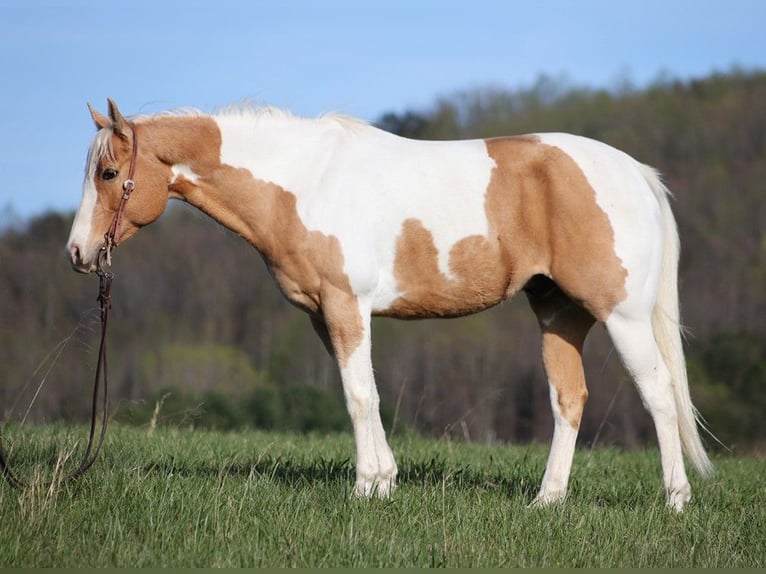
x=666 y=324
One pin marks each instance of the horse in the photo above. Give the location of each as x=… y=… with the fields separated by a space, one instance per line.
x=354 y=222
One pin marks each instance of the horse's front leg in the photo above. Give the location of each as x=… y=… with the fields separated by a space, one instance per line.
x=346 y=324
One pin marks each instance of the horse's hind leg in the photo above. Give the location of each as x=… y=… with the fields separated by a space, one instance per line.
x=564 y=325
x=633 y=337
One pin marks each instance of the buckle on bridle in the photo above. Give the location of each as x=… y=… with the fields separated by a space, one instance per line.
x=105 y=256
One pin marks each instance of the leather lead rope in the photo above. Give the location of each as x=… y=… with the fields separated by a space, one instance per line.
x=94 y=447
x=111 y=239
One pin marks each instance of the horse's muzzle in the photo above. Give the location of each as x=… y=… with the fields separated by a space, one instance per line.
x=75 y=257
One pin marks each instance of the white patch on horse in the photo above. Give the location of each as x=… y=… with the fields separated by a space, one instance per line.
x=82 y=221
x=185 y=171
x=81 y=228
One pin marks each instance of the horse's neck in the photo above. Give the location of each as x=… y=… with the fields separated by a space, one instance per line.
x=244 y=170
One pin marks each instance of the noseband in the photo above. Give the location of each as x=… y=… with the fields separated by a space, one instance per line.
x=112 y=235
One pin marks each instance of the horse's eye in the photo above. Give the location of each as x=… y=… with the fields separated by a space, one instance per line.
x=109 y=174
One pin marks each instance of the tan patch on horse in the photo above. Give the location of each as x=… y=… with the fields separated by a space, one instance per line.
x=476 y=282
x=307 y=265
x=543 y=219
x=564 y=325
x=309 y=268
x=544 y=210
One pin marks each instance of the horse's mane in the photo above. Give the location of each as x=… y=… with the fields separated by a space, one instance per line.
x=252 y=111
x=248 y=111
x=101 y=147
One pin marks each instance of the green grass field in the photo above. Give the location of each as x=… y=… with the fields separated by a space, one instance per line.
x=191 y=498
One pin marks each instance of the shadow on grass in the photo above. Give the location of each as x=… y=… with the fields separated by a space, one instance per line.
x=296 y=473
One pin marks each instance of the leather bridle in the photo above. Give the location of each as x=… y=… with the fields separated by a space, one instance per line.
x=112 y=235
x=104 y=259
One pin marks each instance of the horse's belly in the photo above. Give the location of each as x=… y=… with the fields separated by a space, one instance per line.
x=449 y=301
x=476 y=281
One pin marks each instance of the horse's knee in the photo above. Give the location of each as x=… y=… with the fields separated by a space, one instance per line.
x=361 y=402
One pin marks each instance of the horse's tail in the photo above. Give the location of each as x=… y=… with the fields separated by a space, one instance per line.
x=667 y=330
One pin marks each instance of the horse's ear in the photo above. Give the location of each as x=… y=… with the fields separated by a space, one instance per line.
x=100 y=120
x=118 y=122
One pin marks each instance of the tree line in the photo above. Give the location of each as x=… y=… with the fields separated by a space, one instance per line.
x=200 y=336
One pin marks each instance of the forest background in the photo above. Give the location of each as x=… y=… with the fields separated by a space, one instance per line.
x=201 y=337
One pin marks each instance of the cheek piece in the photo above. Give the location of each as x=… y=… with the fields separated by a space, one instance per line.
x=112 y=235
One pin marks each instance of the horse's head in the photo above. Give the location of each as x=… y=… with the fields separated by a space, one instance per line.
x=116 y=152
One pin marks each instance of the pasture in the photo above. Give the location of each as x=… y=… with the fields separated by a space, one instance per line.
x=182 y=497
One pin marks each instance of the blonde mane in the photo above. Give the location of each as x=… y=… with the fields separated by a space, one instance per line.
x=251 y=111
x=248 y=110
x=101 y=146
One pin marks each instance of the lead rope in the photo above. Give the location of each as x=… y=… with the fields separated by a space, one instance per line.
x=111 y=239
x=94 y=447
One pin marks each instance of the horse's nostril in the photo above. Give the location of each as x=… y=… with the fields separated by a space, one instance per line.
x=75 y=258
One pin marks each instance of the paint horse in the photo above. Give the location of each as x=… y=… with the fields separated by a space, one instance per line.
x=353 y=222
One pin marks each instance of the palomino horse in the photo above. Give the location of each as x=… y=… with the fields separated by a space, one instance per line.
x=353 y=222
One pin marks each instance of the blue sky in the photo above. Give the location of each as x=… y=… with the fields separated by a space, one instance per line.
x=356 y=57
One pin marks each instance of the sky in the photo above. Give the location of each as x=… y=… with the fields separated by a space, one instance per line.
x=361 y=58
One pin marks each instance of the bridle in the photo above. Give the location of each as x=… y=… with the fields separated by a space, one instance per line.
x=104 y=259
x=112 y=235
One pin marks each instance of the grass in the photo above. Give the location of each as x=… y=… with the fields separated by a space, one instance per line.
x=192 y=498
